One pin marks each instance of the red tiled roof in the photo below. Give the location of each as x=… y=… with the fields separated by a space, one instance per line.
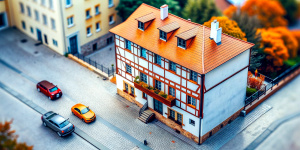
x=203 y=54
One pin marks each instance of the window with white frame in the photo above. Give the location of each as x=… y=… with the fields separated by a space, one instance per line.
x=28 y=11
x=191 y=100
x=192 y=122
x=172 y=66
x=37 y=15
x=68 y=3
x=141 y=25
x=128 y=68
x=162 y=35
x=70 y=21
x=88 y=14
x=143 y=52
x=22 y=8
x=181 y=43
x=97 y=10
x=132 y=90
x=157 y=59
x=171 y=91
x=53 y=24
x=143 y=77
x=111 y=19
x=127 y=44
x=88 y=31
x=54 y=42
x=45 y=19
x=98 y=27
x=44 y=2
x=193 y=76
x=110 y=3
x=51 y=4
x=175 y=116
x=158 y=85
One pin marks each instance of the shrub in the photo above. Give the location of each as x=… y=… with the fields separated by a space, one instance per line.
x=156 y=91
x=250 y=91
x=164 y=95
x=137 y=79
x=145 y=85
x=66 y=54
x=170 y=97
x=255 y=82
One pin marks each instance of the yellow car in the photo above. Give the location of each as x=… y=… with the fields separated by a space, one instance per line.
x=84 y=113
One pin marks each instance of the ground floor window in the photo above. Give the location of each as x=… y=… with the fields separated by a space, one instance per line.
x=23 y=25
x=158 y=106
x=192 y=122
x=175 y=116
x=128 y=88
x=144 y=95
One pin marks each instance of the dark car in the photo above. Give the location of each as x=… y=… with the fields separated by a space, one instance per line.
x=57 y=123
x=49 y=89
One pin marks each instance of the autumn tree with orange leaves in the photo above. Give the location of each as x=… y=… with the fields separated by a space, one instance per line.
x=229 y=27
x=269 y=12
x=255 y=82
x=8 y=139
x=296 y=34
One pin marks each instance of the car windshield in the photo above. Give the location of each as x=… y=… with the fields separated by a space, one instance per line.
x=85 y=110
x=63 y=124
x=53 y=89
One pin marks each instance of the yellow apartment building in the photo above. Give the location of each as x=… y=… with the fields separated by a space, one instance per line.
x=3 y=15
x=66 y=26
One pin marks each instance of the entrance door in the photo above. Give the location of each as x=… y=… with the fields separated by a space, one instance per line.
x=73 y=45
x=2 y=20
x=39 y=35
x=158 y=106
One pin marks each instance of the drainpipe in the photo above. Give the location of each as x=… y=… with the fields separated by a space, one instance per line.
x=63 y=26
x=201 y=105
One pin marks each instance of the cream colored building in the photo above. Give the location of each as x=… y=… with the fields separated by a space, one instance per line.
x=3 y=15
x=73 y=26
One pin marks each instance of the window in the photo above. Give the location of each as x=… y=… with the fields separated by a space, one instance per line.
x=193 y=76
x=158 y=85
x=192 y=122
x=68 y=3
x=157 y=59
x=51 y=4
x=141 y=25
x=109 y=40
x=98 y=27
x=22 y=8
x=94 y=46
x=37 y=17
x=162 y=35
x=70 y=21
x=54 y=42
x=172 y=114
x=143 y=52
x=179 y=117
x=172 y=66
x=127 y=44
x=110 y=3
x=181 y=43
x=171 y=91
x=31 y=29
x=144 y=95
x=88 y=14
x=128 y=68
x=88 y=31
x=53 y=24
x=45 y=39
x=132 y=90
x=158 y=106
x=111 y=19
x=126 y=87
x=28 y=11
x=45 y=19
x=23 y=25
x=97 y=11
x=191 y=101
x=143 y=77
x=44 y=2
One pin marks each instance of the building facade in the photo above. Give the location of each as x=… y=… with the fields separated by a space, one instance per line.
x=192 y=77
x=4 y=23
x=66 y=26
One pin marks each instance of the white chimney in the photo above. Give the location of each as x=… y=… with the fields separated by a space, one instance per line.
x=164 y=12
x=216 y=32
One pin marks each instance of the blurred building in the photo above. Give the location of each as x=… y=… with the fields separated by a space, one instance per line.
x=224 y=4
x=74 y=26
x=3 y=15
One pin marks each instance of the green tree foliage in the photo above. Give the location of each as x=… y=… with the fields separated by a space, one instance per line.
x=127 y=7
x=200 y=11
x=249 y=26
x=291 y=8
x=8 y=139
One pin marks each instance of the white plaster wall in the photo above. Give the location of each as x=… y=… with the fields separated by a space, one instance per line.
x=158 y=70
x=227 y=69
x=139 y=96
x=192 y=86
x=129 y=56
x=143 y=63
x=172 y=77
x=224 y=100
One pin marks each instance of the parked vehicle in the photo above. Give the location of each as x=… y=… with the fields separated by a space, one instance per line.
x=84 y=113
x=49 y=89
x=57 y=123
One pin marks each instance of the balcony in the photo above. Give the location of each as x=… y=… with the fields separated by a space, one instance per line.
x=169 y=100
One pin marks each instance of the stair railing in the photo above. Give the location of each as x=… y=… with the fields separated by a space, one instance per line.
x=145 y=106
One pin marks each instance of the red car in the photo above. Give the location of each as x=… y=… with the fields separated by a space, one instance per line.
x=49 y=89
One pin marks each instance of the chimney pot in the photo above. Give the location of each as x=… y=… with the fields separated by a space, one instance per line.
x=215 y=32
x=189 y=19
x=164 y=11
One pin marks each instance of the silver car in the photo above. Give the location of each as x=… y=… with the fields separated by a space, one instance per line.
x=57 y=123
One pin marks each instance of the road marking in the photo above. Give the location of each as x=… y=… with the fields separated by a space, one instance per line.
x=101 y=120
x=41 y=110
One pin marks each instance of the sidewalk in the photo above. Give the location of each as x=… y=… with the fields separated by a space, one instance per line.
x=105 y=56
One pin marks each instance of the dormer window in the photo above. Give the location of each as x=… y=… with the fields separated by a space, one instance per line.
x=163 y=35
x=181 y=43
x=141 y=25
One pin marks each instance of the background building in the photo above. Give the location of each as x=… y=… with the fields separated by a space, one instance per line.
x=74 y=26
x=3 y=15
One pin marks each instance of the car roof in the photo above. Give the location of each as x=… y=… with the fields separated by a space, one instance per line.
x=47 y=84
x=79 y=106
x=58 y=119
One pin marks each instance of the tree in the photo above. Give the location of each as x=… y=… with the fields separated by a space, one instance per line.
x=229 y=27
x=200 y=11
x=255 y=82
x=291 y=8
x=127 y=7
x=269 y=12
x=8 y=140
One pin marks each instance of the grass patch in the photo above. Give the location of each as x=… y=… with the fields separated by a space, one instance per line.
x=292 y=61
x=250 y=91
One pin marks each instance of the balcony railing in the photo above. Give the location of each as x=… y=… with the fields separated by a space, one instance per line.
x=169 y=101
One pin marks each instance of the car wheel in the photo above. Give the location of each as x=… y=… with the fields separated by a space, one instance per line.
x=44 y=123
x=59 y=134
x=38 y=89
x=49 y=98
